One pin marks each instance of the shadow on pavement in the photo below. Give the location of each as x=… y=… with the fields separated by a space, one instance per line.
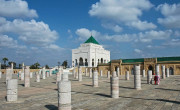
x=163 y=100
x=87 y=85
x=125 y=87
x=167 y=89
x=104 y=95
x=51 y=107
x=170 y=101
x=21 y=84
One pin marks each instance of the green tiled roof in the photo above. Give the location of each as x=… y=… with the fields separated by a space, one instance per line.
x=168 y=59
x=132 y=60
x=92 y=40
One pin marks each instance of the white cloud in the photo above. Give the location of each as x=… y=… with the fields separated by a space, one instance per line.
x=16 y=8
x=123 y=11
x=31 y=32
x=137 y=51
x=177 y=33
x=7 y=42
x=53 y=47
x=142 y=25
x=121 y=38
x=115 y=28
x=148 y=36
x=171 y=14
x=172 y=42
x=84 y=33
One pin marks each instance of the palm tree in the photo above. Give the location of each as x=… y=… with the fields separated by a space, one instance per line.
x=14 y=64
x=36 y=65
x=4 y=60
x=20 y=65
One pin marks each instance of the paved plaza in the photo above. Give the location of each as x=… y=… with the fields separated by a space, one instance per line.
x=43 y=95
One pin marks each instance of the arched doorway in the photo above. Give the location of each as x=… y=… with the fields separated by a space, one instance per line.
x=80 y=62
x=101 y=60
x=76 y=62
x=132 y=71
x=116 y=68
x=86 y=63
x=171 y=71
x=151 y=68
x=92 y=62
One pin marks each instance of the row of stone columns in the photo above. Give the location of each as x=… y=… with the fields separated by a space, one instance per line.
x=12 y=84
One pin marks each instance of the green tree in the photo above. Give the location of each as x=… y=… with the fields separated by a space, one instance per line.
x=64 y=64
x=32 y=67
x=37 y=65
x=5 y=60
x=46 y=66
x=14 y=64
x=20 y=66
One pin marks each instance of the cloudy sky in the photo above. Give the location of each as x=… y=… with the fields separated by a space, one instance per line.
x=46 y=31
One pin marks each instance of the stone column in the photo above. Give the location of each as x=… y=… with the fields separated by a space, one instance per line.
x=58 y=76
x=31 y=75
x=86 y=72
x=143 y=75
x=74 y=73
x=157 y=70
x=76 y=76
x=167 y=72
x=38 y=76
x=27 y=77
x=0 y=70
x=114 y=86
x=137 y=78
x=79 y=74
x=101 y=73
x=114 y=74
x=95 y=79
x=90 y=73
x=118 y=71
x=50 y=72
x=12 y=65
x=47 y=73
x=22 y=76
x=64 y=95
x=149 y=77
x=108 y=74
x=65 y=77
x=0 y=74
x=8 y=74
x=127 y=75
x=43 y=73
x=163 y=72
x=12 y=90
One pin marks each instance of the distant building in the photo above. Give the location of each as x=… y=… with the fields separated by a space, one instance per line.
x=90 y=54
x=172 y=63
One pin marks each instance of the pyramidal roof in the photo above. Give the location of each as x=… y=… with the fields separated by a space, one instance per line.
x=92 y=40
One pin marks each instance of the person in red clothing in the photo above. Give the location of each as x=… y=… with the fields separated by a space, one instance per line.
x=157 y=79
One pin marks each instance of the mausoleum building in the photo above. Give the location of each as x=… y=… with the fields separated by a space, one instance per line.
x=90 y=54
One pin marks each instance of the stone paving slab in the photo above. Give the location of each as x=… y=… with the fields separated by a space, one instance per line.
x=43 y=95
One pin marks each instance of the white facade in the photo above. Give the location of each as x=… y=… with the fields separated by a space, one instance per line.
x=90 y=55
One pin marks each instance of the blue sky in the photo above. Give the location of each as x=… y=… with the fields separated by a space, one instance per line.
x=45 y=31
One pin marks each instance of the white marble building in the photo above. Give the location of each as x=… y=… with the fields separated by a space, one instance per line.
x=90 y=54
